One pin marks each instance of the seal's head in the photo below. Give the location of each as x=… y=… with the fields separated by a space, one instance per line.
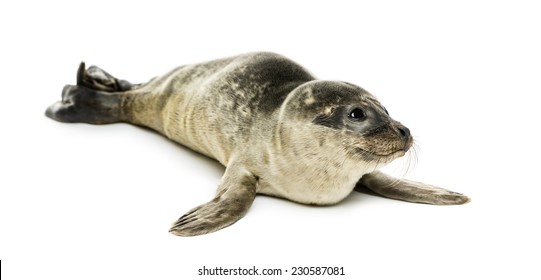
x=344 y=121
x=329 y=134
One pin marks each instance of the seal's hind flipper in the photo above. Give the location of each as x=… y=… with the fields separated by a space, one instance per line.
x=97 y=78
x=233 y=199
x=82 y=104
x=411 y=191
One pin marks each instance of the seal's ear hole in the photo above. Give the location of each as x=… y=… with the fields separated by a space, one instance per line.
x=357 y=114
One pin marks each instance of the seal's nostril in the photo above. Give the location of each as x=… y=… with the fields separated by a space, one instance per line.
x=404 y=131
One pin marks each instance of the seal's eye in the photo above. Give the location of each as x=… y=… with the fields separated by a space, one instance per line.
x=357 y=114
x=386 y=112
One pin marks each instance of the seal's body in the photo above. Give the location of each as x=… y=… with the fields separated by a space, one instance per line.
x=277 y=129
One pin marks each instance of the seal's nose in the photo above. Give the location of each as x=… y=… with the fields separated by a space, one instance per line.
x=406 y=136
x=405 y=132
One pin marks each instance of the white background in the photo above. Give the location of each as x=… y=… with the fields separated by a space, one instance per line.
x=79 y=201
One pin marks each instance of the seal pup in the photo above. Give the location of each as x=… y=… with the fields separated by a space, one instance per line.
x=278 y=130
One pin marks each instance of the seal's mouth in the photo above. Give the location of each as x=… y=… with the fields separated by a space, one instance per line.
x=391 y=155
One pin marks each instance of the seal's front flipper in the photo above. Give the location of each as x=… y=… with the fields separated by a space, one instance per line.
x=411 y=191
x=233 y=199
x=96 y=78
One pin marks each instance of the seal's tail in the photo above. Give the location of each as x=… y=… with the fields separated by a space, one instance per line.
x=96 y=78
